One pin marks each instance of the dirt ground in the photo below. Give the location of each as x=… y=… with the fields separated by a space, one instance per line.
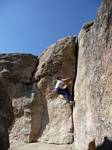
x=40 y=146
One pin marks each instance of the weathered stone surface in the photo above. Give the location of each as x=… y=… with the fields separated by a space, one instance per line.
x=93 y=87
x=6 y=116
x=51 y=115
x=20 y=66
x=16 y=72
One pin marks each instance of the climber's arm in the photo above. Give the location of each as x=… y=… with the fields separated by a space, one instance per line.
x=67 y=80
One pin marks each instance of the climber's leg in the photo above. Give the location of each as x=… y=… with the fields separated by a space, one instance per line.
x=65 y=92
x=67 y=95
x=59 y=91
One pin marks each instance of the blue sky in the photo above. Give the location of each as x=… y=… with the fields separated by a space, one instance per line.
x=30 y=26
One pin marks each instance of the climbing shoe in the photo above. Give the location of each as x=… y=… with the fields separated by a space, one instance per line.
x=71 y=102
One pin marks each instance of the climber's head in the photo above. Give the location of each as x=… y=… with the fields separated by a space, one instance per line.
x=58 y=78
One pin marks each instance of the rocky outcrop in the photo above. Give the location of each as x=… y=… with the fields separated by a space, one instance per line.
x=39 y=113
x=93 y=87
x=16 y=73
x=51 y=114
x=19 y=67
x=27 y=85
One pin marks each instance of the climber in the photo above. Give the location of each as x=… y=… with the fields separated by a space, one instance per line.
x=61 y=88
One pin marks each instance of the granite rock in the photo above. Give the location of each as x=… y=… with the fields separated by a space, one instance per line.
x=56 y=123
x=93 y=87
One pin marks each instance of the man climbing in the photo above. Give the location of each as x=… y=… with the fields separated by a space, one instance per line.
x=61 y=88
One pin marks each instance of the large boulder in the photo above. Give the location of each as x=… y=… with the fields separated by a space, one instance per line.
x=93 y=87
x=16 y=73
x=20 y=66
x=52 y=120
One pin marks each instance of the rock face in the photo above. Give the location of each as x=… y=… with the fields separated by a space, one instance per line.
x=18 y=67
x=6 y=116
x=93 y=87
x=51 y=114
x=16 y=72
x=38 y=113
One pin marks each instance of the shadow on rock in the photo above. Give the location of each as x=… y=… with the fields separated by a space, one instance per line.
x=106 y=145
